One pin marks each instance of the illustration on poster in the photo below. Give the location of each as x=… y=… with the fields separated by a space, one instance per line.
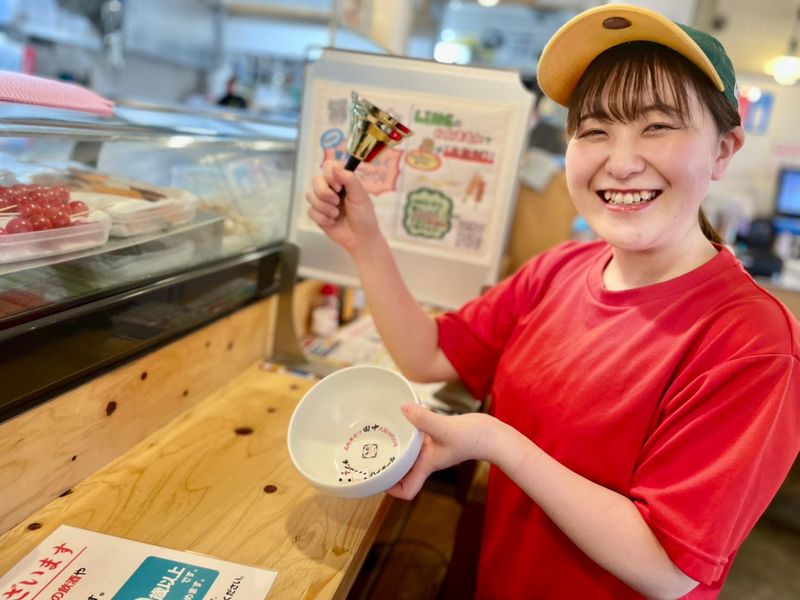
x=439 y=191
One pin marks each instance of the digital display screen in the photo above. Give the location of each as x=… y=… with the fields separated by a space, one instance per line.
x=787 y=200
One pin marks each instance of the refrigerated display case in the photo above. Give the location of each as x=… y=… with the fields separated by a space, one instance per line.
x=119 y=234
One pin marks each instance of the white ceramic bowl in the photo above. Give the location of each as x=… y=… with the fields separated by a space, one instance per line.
x=347 y=436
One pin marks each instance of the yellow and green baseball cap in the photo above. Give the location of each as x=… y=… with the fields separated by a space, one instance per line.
x=582 y=39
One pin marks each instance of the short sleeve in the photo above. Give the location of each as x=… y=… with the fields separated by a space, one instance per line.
x=473 y=337
x=721 y=448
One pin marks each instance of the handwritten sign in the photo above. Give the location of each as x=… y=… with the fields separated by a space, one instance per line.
x=439 y=187
x=444 y=198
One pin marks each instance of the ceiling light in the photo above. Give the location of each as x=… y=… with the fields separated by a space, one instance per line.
x=786 y=69
x=488 y=3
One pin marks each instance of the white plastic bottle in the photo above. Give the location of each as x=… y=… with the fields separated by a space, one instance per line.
x=325 y=314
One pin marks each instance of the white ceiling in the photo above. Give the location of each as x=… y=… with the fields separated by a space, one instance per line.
x=754 y=30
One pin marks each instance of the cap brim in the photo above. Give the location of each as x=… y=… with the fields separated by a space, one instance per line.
x=582 y=39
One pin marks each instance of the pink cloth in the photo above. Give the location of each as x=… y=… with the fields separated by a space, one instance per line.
x=27 y=89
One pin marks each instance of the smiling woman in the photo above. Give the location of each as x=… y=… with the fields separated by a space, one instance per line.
x=645 y=391
x=649 y=83
x=648 y=134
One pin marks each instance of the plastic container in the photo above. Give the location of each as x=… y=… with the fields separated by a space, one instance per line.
x=92 y=231
x=131 y=217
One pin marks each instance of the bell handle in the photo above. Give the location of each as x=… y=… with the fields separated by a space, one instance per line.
x=352 y=163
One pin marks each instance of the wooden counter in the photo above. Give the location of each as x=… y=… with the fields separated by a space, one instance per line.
x=789 y=296
x=217 y=479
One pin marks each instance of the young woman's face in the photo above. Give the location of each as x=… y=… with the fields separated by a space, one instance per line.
x=639 y=184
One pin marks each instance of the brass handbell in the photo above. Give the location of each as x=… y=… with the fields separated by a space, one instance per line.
x=371 y=130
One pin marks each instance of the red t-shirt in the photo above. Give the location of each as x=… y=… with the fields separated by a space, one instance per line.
x=684 y=396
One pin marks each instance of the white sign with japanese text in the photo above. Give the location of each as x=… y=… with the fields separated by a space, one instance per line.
x=437 y=188
x=445 y=196
x=80 y=564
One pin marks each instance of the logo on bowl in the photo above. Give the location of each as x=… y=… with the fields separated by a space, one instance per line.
x=369 y=450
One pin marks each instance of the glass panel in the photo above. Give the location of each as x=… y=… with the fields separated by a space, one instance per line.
x=90 y=207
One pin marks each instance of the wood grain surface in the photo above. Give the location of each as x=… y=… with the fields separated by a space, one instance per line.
x=789 y=297
x=218 y=480
x=47 y=450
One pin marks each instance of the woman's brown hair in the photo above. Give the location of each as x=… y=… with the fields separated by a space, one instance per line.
x=625 y=79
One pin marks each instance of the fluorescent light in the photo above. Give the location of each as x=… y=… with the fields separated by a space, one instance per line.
x=451 y=52
x=488 y=3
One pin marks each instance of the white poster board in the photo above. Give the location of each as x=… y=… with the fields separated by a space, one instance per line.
x=445 y=196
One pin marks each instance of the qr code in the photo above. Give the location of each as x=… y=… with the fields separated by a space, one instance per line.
x=469 y=235
x=337 y=111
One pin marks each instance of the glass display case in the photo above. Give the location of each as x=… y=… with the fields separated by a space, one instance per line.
x=118 y=234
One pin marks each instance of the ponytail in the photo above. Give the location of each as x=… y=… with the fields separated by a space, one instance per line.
x=708 y=229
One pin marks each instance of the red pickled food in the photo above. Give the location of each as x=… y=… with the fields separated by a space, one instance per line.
x=29 y=208
x=77 y=207
x=60 y=194
x=41 y=223
x=19 y=225
x=59 y=217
